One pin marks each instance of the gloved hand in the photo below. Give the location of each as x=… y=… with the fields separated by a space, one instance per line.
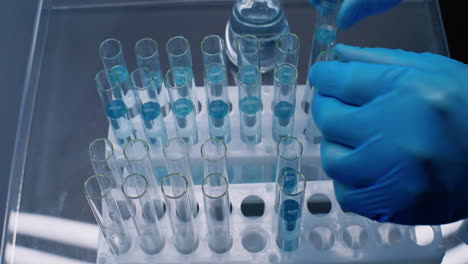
x=352 y=11
x=395 y=127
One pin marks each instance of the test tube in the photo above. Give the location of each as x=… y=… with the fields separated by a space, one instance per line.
x=287 y=49
x=147 y=56
x=324 y=38
x=179 y=86
x=213 y=152
x=112 y=57
x=136 y=189
x=97 y=190
x=213 y=50
x=217 y=95
x=175 y=189
x=292 y=185
x=289 y=158
x=249 y=82
x=176 y=153
x=110 y=92
x=138 y=158
x=216 y=201
x=284 y=102
x=179 y=55
x=248 y=51
x=144 y=87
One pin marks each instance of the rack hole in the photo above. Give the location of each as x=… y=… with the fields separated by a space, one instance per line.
x=388 y=235
x=253 y=206
x=319 y=204
x=321 y=238
x=273 y=258
x=230 y=107
x=199 y=106
x=355 y=237
x=423 y=235
x=254 y=241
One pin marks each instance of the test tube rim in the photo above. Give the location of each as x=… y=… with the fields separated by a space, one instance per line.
x=293 y=138
x=138 y=196
x=133 y=141
x=112 y=86
x=327 y=4
x=107 y=189
x=204 y=182
x=303 y=185
x=332 y=50
x=213 y=139
x=165 y=179
x=288 y=34
x=178 y=37
x=138 y=87
x=275 y=75
x=147 y=39
x=106 y=41
x=217 y=37
x=187 y=75
x=179 y=139
x=258 y=79
x=248 y=35
x=205 y=74
x=109 y=144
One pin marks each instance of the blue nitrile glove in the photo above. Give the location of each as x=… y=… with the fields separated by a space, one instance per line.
x=395 y=127
x=352 y=11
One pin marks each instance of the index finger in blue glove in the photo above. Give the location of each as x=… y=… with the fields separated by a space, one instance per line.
x=352 y=11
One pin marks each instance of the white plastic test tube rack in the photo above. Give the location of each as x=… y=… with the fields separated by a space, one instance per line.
x=326 y=237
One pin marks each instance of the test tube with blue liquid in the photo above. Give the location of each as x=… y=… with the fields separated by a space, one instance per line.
x=147 y=56
x=250 y=104
x=144 y=87
x=112 y=57
x=324 y=38
x=217 y=95
x=179 y=84
x=110 y=92
x=284 y=102
x=292 y=185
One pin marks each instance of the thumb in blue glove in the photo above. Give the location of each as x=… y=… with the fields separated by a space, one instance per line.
x=395 y=127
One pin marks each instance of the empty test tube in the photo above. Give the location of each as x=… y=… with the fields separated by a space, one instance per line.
x=214 y=152
x=175 y=190
x=144 y=88
x=216 y=201
x=217 y=95
x=284 y=102
x=287 y=49
x=249 y=82
x=136 y=189
x=147 y=56
x=176 y=153
x=292 y=185
x=112 y=57
x=112 y=98
x=289 y=158
x=97 y=190
x=248 y=51
x=324 y=38
x=179 y=86
x=213 y=50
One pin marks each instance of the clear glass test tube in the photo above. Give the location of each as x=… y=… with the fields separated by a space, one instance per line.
x=97 y=190
x=249 y=82
x=144 y=88
x=213 y=50
x=176 y=153
x=287 y=49
x=110 y=92
x=292 y=185
x=138 y=158
x=179 y=86
x=216 y=201
x=214 y=153
x=284 y=102
x=289 y=158
x=248 y=51
x=147 y=56
x=112 y=57
x=179 y=55
x=175 y=190
x=324 y=38
x=136 y=189
x=217 y=94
